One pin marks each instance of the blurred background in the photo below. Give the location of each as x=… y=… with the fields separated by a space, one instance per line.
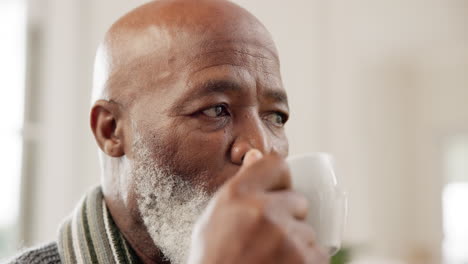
x=382 y=85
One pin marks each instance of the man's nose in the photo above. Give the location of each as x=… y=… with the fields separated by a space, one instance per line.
x=252 y=135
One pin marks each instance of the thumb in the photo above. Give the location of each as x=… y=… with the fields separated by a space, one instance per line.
x=251 y=157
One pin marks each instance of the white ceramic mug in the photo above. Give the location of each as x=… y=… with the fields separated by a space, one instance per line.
x=313 y=175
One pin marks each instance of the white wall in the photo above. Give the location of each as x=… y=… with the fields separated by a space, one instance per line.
x=377 y=83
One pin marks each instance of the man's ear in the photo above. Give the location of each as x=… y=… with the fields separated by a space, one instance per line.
x=107 y=127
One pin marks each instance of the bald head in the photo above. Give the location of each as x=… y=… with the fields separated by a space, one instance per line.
x=142 y=49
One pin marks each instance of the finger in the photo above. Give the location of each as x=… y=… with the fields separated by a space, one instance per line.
x=251 y=157
x=303 y=233
x=304 y=237
x=288 y=202
x=270 y=173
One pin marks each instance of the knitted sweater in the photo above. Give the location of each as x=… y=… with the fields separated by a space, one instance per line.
x=47 y=254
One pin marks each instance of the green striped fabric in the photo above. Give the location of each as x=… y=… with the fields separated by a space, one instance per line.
x=90 y=235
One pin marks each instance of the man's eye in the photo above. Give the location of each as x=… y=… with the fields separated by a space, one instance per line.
x=216 y=111
x=277 y=119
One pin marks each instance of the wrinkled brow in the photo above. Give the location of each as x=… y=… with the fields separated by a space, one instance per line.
x=215 y=86
x=226 y=86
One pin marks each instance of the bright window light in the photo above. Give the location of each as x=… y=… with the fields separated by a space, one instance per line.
x=455 y=202
x=12 y=79
x=456 y=223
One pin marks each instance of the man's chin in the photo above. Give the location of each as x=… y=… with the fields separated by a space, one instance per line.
x=169 y=209
x=171 y=229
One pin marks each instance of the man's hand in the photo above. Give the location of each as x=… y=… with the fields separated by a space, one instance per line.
x=256 y=218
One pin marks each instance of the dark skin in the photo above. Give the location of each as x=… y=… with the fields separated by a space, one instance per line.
x=202 y=81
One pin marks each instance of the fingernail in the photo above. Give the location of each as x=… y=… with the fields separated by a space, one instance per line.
x=256 y=153
x=252 y=155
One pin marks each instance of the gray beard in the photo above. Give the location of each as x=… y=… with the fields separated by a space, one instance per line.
x=169 y=206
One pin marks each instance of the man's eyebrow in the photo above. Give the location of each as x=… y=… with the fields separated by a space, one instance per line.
x=225 y=86
x=278 y=96
x=216 y=86
x=206 y=89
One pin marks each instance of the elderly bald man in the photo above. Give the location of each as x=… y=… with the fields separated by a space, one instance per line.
x=189 y=113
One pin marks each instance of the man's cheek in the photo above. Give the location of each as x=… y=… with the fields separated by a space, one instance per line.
x=206 y=150
x=207 y=143
x=282 y=146
x=207 y=155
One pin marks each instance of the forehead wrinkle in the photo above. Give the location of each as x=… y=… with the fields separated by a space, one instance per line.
x=242 y=47
x=234 y=58
x=241 y=52
x=227 y=60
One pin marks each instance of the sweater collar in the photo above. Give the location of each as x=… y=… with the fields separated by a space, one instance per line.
x=90 y=235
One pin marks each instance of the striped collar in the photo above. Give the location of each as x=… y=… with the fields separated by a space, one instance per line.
x=90 y=235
